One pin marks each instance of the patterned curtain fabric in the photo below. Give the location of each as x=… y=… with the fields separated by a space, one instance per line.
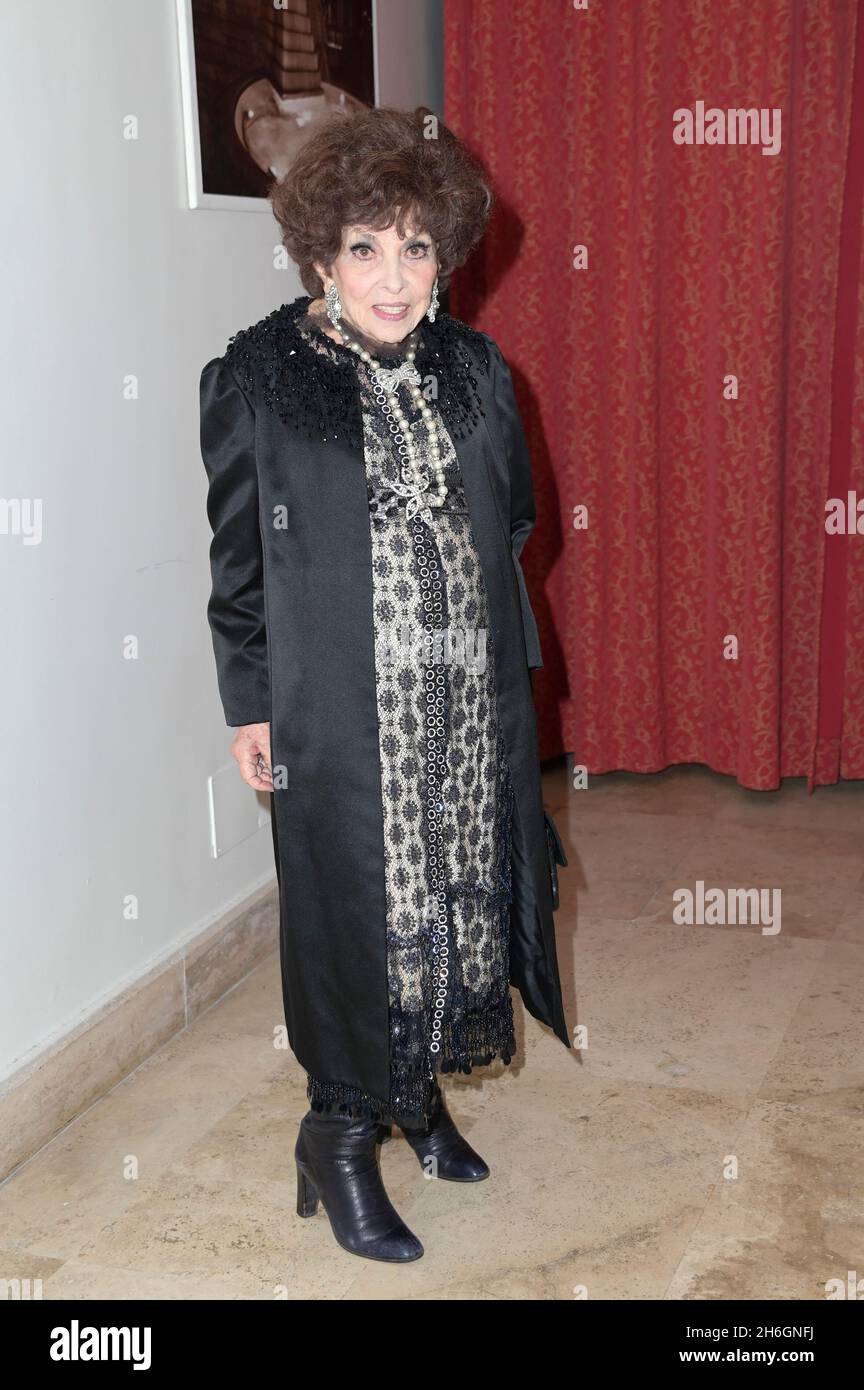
x=698 y=611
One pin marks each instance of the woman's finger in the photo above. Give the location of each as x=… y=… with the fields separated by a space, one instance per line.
x=248 y=760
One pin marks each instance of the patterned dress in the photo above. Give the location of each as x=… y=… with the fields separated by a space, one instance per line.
x=445 y=781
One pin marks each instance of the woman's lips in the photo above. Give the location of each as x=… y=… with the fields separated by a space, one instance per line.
x=391 y=315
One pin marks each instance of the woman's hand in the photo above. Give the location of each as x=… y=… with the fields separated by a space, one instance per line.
x=251 y=748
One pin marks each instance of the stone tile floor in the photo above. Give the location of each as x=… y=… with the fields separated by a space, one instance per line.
x=705 y=1144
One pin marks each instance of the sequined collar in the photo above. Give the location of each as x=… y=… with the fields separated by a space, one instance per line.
x=317 y=393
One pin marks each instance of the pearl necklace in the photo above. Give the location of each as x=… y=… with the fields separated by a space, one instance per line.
x=415 y=478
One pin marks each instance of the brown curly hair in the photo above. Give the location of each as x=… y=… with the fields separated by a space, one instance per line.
x=374 y=168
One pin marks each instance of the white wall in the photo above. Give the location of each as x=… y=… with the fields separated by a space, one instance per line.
x=107 y=272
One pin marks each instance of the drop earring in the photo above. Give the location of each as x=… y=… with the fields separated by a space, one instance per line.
x=334 y=305
x=433 y=302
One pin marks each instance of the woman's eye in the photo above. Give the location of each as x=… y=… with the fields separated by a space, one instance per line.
x=422 y=249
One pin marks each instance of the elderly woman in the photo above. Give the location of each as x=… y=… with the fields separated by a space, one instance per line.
x=369 y=494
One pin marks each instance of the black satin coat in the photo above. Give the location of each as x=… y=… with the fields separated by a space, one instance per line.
x=292 y=627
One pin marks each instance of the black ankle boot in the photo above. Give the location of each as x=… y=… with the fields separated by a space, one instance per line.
x=337 y=1163
x=440 y=1140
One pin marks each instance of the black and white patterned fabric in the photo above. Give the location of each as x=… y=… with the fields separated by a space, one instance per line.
x=445 y=781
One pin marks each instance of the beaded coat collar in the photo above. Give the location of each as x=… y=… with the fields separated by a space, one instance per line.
x=318 y=393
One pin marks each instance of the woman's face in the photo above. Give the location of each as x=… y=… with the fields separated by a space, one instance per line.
x=377 y=272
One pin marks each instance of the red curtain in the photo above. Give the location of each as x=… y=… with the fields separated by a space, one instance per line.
x=699 y=611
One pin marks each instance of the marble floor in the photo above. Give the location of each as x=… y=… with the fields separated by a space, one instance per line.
x=705 y=1144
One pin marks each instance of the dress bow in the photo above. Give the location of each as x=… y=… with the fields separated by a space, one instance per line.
x=389 y=377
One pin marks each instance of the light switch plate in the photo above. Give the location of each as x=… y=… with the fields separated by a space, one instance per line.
x=236 y=811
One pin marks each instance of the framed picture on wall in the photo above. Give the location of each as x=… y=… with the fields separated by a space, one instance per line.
x=256 y=77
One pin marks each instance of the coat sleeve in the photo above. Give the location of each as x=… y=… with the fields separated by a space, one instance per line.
x=236 y=609
x=522 y=509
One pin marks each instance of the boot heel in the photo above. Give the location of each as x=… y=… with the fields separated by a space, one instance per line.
x=307 y=1194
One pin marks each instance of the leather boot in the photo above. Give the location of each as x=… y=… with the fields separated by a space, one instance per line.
x=440 y=1140
x=337 y=1164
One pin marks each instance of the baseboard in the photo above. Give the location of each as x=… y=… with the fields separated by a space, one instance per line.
x=40 y=1099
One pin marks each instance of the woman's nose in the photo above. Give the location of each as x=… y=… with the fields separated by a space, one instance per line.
x=394 y=277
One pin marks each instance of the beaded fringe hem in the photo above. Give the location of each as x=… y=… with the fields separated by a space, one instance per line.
x=466 y=1043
